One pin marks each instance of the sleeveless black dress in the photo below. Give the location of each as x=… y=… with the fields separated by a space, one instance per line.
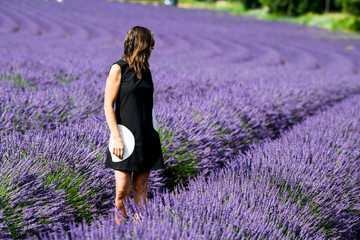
x=133 y=109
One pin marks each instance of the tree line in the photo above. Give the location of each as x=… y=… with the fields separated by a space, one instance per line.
x=298 y=7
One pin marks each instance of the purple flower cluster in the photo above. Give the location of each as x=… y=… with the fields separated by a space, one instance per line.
x=222 y=84
x=304 y=185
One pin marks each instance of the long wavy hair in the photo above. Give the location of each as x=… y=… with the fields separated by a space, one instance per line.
x=139 y=42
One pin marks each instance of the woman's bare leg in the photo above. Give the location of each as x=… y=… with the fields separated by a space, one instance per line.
x=123 y=188
x=140 y=182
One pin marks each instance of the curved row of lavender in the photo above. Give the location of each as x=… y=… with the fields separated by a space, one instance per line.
x=303 y=185
x=221 y=83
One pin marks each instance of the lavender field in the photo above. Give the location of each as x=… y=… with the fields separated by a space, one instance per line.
x=259 y=124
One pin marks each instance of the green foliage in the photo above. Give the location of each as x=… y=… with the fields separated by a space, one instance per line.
x=333 y=21
x=350 y=6
x=355 y=24
x=180 y=170
x=250 y=4
x=64 y=79
x=297 y=7
x=18 y=80
x=330 y=21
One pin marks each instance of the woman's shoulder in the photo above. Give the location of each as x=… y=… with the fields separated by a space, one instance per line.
x=121 y=62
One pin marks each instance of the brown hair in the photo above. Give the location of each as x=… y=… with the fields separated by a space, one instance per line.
x=139 y=42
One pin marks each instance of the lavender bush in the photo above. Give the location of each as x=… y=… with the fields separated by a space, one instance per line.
x=274 y=190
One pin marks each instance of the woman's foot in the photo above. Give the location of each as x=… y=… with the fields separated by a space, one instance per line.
x=118 y=217
x=137 y=216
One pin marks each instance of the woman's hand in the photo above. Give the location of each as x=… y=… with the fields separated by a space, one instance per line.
x=118 y=147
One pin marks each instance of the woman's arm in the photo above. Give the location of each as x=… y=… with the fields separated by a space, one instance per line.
x=111 y=90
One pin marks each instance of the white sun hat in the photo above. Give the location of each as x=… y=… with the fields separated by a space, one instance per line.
x=128 y=140
x=154 y=120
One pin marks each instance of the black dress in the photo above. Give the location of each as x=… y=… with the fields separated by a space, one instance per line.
x=133 y=109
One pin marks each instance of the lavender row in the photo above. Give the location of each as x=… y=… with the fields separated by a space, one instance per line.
x=302 y=185
x=199 y=144
x=73 y=156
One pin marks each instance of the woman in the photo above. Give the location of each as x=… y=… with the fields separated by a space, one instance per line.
x=130 y=85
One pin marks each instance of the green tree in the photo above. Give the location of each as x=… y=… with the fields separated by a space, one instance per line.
x=350 y=6
x=249 y=4
x=298 y=7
